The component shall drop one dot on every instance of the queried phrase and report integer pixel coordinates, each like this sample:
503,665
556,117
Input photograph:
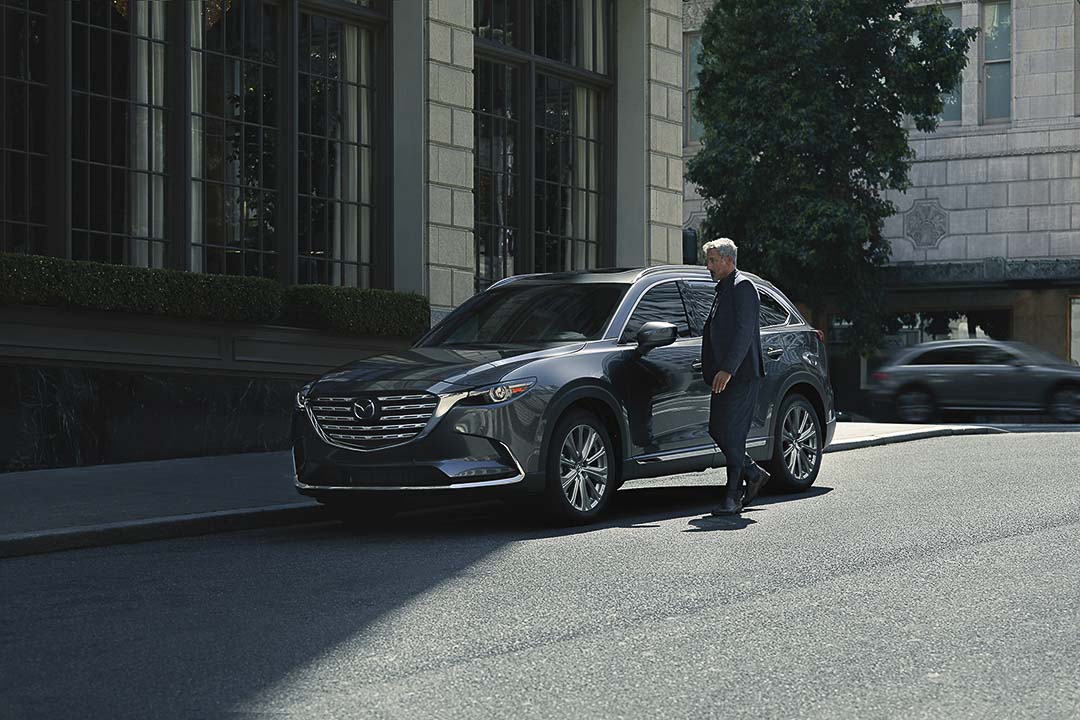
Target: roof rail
512,278
667,268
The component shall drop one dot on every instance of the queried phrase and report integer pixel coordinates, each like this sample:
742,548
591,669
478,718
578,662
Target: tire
915,405
1064,404
579,488
797,446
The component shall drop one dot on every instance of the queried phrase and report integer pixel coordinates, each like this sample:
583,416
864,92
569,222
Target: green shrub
354,311
38,280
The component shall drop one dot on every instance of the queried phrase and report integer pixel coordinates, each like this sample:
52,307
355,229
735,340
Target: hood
432,368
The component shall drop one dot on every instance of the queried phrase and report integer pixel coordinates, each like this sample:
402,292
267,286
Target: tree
804,105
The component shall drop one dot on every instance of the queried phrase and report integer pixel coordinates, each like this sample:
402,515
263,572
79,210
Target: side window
699,299
946,356
990,355
772,311
662,303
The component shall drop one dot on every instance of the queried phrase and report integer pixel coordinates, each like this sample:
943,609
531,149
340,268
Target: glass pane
693,62
1074,327
998,91
662,303
997,28
953,100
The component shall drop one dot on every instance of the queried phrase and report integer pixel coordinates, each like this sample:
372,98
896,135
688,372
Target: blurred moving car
976,376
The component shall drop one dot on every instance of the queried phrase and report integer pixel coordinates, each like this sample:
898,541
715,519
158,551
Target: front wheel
581,469
798,445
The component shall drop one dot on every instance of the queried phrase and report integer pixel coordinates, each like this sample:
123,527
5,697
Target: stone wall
665,136
1008,189
450,146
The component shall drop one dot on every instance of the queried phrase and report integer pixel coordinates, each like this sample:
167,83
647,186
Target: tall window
498,127
336,153
997,61
953,100
234,138
566,191
693,67
540,176
23,144
118,126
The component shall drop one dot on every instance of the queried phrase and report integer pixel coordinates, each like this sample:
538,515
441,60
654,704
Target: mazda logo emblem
364,409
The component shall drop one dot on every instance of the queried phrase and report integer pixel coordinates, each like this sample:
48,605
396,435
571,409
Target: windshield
531,314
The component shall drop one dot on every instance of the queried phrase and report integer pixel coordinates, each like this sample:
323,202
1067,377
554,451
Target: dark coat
732,337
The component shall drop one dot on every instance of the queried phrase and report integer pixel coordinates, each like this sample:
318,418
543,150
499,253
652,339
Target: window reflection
234,137
23,150
336,153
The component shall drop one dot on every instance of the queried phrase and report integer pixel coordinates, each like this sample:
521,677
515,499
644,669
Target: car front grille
373,421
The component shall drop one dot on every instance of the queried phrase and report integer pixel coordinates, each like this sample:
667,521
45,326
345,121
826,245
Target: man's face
719,267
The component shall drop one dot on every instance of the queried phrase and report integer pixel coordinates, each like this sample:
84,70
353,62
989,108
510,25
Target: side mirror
655,334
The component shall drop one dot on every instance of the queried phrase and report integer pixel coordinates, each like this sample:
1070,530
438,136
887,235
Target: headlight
302,395
500,393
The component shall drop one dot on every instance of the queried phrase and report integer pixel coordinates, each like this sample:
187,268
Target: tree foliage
804,106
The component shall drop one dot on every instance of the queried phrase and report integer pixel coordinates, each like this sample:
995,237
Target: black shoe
756,478
729,506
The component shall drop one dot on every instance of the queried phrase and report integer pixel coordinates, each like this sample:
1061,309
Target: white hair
724,247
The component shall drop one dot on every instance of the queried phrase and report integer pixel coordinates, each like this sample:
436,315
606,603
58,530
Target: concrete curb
174,526
875,440
159,528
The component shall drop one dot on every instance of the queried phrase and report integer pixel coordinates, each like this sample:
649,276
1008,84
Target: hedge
352,311
39,280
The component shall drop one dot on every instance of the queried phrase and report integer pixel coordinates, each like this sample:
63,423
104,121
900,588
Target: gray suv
562,386
976,376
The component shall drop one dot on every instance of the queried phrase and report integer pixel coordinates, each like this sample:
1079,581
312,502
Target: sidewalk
44,510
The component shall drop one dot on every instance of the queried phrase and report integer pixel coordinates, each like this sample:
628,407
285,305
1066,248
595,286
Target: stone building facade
987,241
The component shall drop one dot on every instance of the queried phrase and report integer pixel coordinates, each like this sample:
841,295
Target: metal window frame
178,145
688,88
984,63
529,66
960,88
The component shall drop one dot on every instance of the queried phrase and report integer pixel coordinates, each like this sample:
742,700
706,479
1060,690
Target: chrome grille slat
335,419
372,437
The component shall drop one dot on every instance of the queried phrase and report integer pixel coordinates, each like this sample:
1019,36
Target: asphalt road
933,579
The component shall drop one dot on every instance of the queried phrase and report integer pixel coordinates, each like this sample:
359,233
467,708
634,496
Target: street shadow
236,616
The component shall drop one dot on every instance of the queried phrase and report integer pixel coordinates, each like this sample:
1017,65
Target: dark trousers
730,415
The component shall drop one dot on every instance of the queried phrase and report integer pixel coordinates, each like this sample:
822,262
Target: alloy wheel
583,468
800,444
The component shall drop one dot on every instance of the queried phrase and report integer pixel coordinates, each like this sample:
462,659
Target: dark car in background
976,376
562,386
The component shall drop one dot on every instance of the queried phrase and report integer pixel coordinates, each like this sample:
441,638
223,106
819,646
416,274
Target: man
731,363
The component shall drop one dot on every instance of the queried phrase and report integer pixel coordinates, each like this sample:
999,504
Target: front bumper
469,448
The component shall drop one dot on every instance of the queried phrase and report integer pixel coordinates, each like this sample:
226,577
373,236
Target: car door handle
696,365
774,352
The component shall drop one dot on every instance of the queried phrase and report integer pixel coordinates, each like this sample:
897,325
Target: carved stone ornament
926,223
694,12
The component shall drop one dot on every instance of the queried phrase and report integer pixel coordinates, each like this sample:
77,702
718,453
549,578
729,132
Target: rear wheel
798,445
914,405
1064,404
581,469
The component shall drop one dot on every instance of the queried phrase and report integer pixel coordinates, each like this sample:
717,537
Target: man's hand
720,381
